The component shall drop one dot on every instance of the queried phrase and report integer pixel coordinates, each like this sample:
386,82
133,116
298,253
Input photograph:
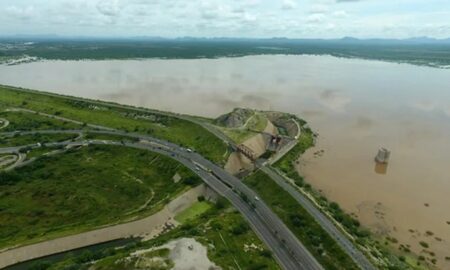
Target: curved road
4,123
324,221
288,251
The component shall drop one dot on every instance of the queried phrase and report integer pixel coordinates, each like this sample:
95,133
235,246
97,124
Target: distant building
383,155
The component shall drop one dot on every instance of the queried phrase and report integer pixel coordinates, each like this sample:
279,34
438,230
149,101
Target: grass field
19,140
255,124
37,152
230,242
108,137
192,212
29,121
85,188
179,131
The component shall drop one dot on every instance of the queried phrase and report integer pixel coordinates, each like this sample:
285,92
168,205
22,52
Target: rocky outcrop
234,119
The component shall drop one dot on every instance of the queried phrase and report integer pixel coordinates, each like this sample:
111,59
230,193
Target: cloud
22,13
109,8
235,18
319,9
316,18
288,4
340,14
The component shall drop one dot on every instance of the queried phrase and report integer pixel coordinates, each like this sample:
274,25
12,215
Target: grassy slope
94,136
82,189
216,229
257,122
178,131
192,212
29,121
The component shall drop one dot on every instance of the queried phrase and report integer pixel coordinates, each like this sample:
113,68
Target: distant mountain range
418,51
51,37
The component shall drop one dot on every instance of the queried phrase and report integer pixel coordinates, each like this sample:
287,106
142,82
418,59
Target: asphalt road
288,251
349,247
325,222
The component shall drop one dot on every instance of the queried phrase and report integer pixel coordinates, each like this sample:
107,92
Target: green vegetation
107,137
237,135
228,247
305,141
19,140
24,121
126,118
40,151
308,231
6,160
256,123
433,54
192,212
85,188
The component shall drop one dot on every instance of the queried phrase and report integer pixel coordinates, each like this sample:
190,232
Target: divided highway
288,251
359,258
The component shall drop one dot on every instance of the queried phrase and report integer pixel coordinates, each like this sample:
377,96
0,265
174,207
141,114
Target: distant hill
418,51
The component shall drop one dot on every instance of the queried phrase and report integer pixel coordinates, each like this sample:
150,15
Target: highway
288,251
325,222
358,257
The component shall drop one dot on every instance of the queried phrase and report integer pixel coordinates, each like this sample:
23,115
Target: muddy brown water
356,106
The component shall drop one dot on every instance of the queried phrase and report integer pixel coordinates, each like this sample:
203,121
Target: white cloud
22,13
235,18
288,4
340,14
315,18
109,7
319,9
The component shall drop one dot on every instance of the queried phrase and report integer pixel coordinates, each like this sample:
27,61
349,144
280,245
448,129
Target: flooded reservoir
356,107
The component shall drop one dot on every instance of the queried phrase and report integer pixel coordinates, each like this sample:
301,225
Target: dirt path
186,253
6,160
3,123
17,162
147,227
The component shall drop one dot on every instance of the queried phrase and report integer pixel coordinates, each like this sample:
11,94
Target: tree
221,202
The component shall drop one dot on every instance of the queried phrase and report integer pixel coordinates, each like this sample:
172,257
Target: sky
227,18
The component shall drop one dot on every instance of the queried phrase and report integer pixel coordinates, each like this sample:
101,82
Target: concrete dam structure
383,156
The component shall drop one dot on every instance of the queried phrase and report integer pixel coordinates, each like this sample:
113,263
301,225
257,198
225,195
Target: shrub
9,178
266,253
240,228
40,265
221,202
190,181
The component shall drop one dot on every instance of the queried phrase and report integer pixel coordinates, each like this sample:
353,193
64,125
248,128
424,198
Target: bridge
246,151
